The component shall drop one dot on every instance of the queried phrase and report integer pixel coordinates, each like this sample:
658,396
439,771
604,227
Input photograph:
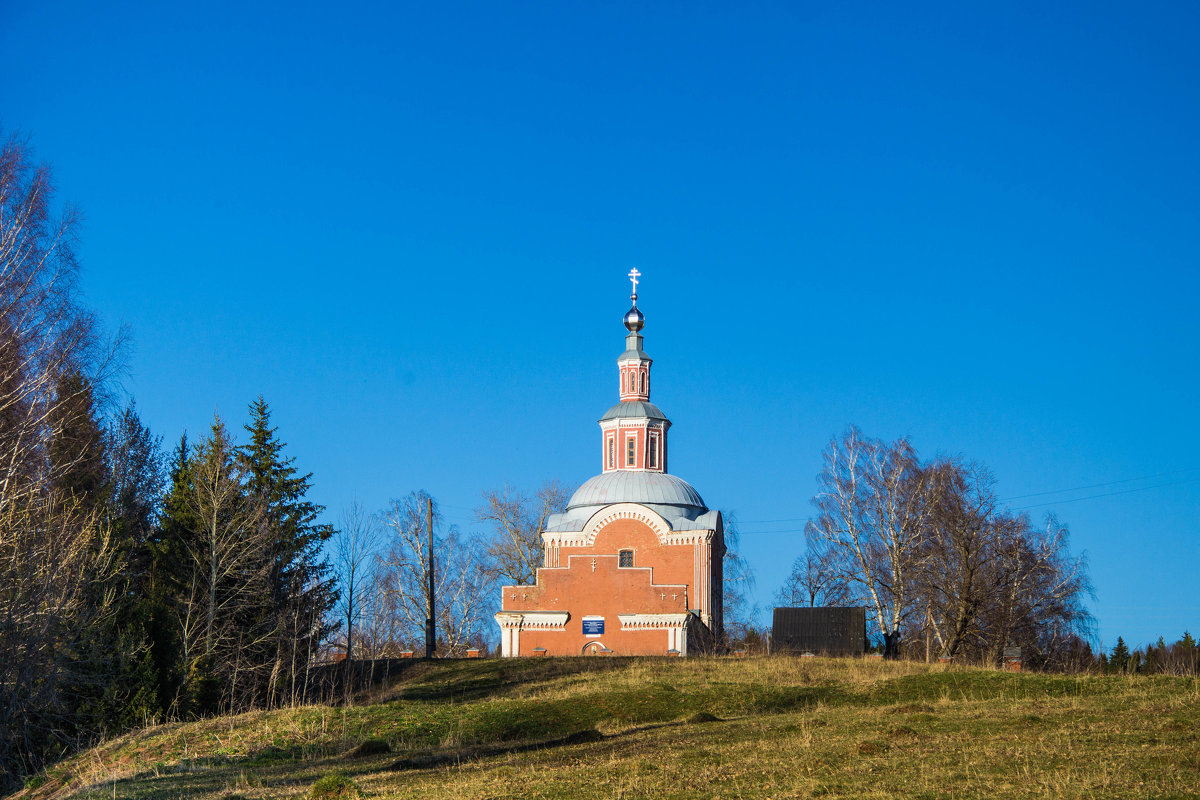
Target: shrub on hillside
334,785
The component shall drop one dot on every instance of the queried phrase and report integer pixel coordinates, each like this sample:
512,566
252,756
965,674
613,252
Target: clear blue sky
408,225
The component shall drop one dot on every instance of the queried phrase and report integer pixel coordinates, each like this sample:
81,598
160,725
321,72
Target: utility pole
430,632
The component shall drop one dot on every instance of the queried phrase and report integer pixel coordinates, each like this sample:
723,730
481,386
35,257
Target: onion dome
634,319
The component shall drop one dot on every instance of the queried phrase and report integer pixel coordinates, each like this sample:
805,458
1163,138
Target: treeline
1181,657
383,566
942,566
382,563
133,587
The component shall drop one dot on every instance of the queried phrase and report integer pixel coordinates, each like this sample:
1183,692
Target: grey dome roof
647,488
633,408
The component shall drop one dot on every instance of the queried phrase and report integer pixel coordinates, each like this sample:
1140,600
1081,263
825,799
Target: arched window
625,558
630,452
612,448
652,453
643,389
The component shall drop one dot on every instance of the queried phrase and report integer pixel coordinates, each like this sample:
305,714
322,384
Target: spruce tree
77,459
136,484
168,581
301,588
227,558
1119,661
135,493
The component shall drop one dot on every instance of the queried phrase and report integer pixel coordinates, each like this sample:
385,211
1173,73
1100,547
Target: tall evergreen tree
214,558
77,453
168,571
301,586
1119,661
135,483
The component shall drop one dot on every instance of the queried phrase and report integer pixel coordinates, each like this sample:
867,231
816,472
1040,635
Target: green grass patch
332,786
626,727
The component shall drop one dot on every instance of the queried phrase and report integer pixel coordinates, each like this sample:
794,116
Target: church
633,566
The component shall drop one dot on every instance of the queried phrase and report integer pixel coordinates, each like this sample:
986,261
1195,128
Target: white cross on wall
633,277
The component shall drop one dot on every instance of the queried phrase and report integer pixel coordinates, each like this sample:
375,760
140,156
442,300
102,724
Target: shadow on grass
589,736
658,707
457,756
982,685
478,680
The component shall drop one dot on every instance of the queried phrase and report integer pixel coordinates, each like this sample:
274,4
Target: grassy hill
602,728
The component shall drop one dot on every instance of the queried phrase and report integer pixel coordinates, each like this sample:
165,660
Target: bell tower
634,432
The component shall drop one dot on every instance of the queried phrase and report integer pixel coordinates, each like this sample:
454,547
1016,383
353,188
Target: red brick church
633,566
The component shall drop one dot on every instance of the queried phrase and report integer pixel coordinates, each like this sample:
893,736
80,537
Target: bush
371,747
334,785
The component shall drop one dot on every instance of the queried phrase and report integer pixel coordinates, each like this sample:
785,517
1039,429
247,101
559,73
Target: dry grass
762,728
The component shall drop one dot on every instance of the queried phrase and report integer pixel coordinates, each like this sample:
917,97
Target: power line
1099,485
1108,494
1018,497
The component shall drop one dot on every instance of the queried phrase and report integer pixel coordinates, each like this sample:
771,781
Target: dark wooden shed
831,631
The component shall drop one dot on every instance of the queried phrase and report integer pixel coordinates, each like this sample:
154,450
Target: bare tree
381,631
459,577
45,336
515,549
464,602
738,609
355,554
963,536
814,580
1039,605
55,558
985,579
870,508
55,565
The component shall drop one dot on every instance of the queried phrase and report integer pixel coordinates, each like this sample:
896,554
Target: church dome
633,409
645,488
634,319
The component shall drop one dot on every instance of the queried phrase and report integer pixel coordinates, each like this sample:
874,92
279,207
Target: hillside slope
600,728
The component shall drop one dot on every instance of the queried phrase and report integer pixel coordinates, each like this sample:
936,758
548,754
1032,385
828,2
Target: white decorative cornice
652,621
533,620
586,537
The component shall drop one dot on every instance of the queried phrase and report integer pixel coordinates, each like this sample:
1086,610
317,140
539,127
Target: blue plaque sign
593,626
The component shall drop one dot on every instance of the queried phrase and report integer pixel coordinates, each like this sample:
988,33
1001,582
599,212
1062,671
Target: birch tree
459,572
869,515
45,335
355,550
55,554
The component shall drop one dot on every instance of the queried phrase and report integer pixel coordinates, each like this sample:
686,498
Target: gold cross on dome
633,278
